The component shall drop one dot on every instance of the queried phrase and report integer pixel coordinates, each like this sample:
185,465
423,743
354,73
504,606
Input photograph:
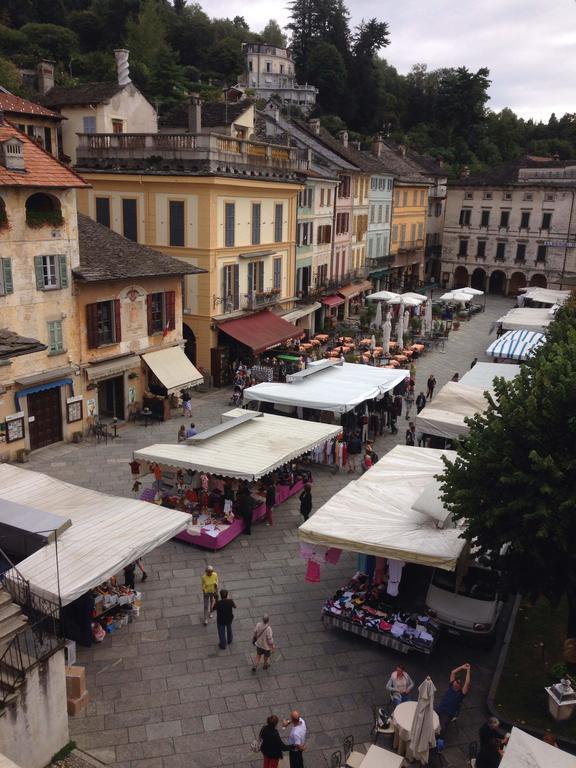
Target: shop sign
15,427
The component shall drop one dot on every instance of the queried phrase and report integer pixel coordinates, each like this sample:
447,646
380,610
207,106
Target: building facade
409,214
270,72
512,227
38,122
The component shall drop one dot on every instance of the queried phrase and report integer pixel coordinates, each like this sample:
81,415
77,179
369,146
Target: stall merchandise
445,415
367,610
114,607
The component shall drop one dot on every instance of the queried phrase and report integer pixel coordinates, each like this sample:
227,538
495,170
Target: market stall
482,375
526,751
169,372
246,447
543,295
445,415
515,345
391,513
529,318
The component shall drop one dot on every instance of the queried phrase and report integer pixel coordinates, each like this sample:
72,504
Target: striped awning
515,345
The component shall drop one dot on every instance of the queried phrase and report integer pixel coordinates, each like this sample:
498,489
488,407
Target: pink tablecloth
230,532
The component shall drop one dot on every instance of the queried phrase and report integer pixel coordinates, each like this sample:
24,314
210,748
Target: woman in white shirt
400,684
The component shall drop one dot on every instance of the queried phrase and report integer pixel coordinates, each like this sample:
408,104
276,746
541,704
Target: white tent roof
472,291
382,296
445,415
483,374
525,751
249,451
546,295
374,514
530,318
458,296
515,345
173,369
107,532
339,388
419,297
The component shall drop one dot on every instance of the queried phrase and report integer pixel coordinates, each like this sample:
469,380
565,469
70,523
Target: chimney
12,154
343,136
194,113
122,66
377,145
440,161
465,172
402,150
45,75
314,124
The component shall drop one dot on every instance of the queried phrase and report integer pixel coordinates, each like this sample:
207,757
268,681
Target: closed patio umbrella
428,316
422,736
406,323
400,327
386,333
377,322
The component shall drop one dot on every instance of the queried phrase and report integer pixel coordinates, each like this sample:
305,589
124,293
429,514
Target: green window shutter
55,336
39,269
63,271
7,276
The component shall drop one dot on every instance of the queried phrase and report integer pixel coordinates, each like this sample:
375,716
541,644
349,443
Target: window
525,220
438,211
176,223
469,196
521,252
322,192
277,284
420,230
397,199
161,312
278,223
324,234
541,254
387,214
422,198
305,198
229,224
403,234
342,223
255,276
6,281
504,219
328,197
322,274
390,184
500,251
103,211
528,196
103,323
481,249
485,218
413,232
256,217
395,233
372,209
463,247
305,234
268,66
507,196
231,286
404,199
48,140
415,197
549,197
373,183
89,124
51,272
344,187
380,214
465,216
281,69
129,219
250,65
55,337
487,195
117,126
370,246
546,220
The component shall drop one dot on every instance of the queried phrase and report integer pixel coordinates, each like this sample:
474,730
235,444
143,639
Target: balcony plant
4,222
39,219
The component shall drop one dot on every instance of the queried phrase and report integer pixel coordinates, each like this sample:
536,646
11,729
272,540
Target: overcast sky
528,45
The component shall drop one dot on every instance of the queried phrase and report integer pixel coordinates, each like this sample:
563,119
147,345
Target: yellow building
409,212
223,204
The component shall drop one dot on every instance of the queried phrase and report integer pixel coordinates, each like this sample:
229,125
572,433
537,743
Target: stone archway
497,282
189,343
538,281
478,280
460,277
517,281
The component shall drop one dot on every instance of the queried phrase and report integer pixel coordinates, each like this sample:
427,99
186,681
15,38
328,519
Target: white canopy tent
545,295
248,450
530,318
516,345
375,514
525,751
107,532
339,388
444,416
483,374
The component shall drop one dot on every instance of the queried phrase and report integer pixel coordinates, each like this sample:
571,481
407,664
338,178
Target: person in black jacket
244,508
270,501
306,501
272,745
224,618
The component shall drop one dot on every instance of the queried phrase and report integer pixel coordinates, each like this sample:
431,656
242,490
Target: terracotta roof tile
10,103
41,168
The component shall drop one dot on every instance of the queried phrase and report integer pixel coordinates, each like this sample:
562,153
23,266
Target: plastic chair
352,759
377,729
336,759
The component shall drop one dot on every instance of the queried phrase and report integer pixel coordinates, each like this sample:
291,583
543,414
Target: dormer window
13,154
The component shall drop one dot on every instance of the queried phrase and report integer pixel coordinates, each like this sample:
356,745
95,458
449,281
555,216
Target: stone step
4,597
11,626
8,610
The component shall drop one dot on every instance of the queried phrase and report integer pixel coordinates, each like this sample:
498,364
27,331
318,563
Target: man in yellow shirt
209,591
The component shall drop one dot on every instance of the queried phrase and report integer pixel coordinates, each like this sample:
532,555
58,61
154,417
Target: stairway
13,660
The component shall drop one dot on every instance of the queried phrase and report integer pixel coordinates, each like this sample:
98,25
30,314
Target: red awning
350,291
261,331
333,301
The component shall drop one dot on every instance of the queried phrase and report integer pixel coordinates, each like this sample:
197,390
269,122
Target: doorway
45,412
111,397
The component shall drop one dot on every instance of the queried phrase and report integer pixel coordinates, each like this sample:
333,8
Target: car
472,608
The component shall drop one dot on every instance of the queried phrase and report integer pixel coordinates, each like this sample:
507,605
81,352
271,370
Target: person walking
449,707
455,378
209,583
224,618
296,739
263,639
306,501
354,445
129,575
270,500
409,400
473,363
186,403
431,386
420,402
411,434
271,744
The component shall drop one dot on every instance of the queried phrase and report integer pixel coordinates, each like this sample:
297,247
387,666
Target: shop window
176,223
278,223
256,219
229,224
103,323
130,219
103,211
161,313
6,281
51,272
231,286
43,211
55,337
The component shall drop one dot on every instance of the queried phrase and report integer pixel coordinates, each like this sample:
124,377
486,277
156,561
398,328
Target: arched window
43,210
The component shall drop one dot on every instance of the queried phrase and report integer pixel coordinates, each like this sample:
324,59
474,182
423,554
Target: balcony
186,151
379,262
462,255
410,245
261,299
500,259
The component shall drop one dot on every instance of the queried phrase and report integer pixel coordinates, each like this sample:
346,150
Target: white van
471,611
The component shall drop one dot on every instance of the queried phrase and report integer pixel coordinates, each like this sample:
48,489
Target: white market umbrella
408,301
377,322
422,736
386,333
382,296
419,297
458,296
471,291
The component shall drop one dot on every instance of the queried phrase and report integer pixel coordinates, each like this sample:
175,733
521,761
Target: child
182,434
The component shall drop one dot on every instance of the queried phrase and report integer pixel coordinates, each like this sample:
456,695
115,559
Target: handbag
256,745
256,636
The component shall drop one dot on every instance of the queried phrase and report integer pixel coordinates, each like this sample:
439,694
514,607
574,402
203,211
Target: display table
402,719
376,757
216,537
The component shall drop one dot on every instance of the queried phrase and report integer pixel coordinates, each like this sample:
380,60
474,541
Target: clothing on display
394,576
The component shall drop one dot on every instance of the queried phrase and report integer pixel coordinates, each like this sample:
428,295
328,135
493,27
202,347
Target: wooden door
46,408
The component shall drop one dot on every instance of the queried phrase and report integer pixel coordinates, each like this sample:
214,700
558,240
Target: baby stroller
237,396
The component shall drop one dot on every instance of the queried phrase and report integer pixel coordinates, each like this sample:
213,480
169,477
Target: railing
410,245
262,299
380,261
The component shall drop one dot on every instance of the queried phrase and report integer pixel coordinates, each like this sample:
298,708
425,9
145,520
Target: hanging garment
332,555
312,572
394,576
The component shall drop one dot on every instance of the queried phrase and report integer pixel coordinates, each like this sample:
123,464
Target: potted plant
39,219
77,436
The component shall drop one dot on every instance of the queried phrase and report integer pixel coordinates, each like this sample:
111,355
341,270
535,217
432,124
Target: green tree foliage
50,41
328,73
9,76
513,479
273,35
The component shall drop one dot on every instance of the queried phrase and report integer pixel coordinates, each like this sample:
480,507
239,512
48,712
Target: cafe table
376,757
402,718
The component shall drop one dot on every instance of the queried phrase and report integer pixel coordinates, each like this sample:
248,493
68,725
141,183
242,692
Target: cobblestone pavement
164,696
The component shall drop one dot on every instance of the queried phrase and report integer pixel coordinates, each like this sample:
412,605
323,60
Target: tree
513,479
328,73
273,35
50,41
10,76
147,35
226,58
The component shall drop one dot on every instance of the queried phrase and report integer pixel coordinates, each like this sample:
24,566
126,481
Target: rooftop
78,95
13,345
11,104
41,168
106,255
215,114
529,169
